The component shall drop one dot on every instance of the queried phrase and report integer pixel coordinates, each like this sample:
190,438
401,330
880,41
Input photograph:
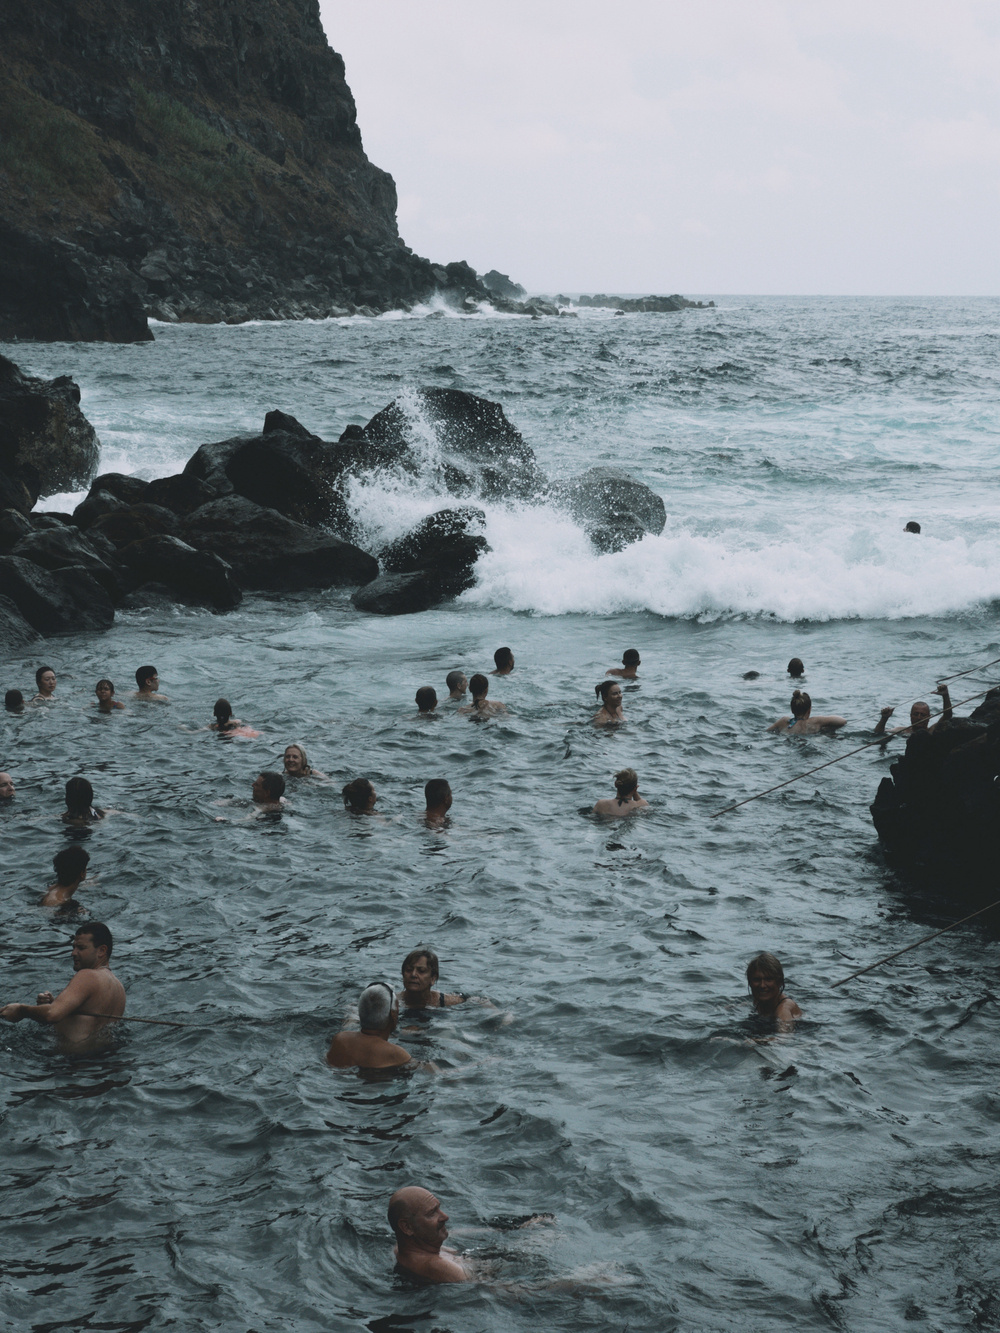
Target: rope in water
871,966
131,1018
867,746
970,671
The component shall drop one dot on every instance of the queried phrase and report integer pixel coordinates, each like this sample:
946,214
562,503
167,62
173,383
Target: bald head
405,1203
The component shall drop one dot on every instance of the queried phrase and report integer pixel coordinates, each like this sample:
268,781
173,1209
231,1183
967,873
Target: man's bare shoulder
353,1050
443,1267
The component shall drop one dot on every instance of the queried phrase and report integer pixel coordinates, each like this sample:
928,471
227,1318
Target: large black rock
612,507
61,601
269,551
197,578
404,594
449,541
62,547
15,632
46,442
132,523
466,440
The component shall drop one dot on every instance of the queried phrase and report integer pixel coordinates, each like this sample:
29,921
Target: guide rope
131,1018
867,746
970,671
871,966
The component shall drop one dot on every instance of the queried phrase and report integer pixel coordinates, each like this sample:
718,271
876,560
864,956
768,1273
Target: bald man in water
420,1227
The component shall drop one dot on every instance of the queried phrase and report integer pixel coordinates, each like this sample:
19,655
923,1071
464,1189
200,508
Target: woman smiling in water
297,764
610,713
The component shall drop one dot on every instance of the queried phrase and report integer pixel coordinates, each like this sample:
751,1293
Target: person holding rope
920,715
93,999
801,722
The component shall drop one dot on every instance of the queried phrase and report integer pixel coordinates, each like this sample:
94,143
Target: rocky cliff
190,159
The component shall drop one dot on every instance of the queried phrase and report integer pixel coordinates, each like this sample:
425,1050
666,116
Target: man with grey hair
378,1013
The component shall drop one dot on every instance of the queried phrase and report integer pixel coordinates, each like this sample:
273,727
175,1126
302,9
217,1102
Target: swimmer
92,999
920,715
504,660
378,1013
13,701
297,765
359,797
766,981
45,679
479,687
610,713
437,795
795,668
419,1224
801,722
912,526
629,669
7,788
106,700
427,699
420,973
267,791
80,808
457,684
148,682
227,725
628,800
70,866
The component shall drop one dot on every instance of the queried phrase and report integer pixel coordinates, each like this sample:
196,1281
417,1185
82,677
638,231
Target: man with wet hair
419,1224
13,701
629,669
93,999
359,797
504,659
378,1014
148,681
437,794
268,789
427,699
70,866
80,802
920,715
457,684
766,981
7,788
795,668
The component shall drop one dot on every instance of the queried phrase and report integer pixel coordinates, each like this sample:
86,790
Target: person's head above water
268,788
147,678
504,659
795,668
223,711
456,682
801,704
359,796
920,715
79,796
104,689
13,701
428,969
417,1219
437,794
296,762
768,966
98,952
45,679
912,526
6,787
427,698
479,685
376,1006
630,657
626,782
70,865
610,693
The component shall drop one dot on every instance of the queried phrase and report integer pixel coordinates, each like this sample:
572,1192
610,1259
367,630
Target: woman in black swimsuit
420,973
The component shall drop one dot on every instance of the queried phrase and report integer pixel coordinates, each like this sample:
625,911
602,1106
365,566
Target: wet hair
358,794
104,681
79,796
274,784
452,679
436,792
69,865
426,698
13,701
801,703
795,667
40,673
429,954
605,687
503,657
302,751
375,1004
626,781
630,657
479,685
767,964
143,674
912,526
100,933
223,711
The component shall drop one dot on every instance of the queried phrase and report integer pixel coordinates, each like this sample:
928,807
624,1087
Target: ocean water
704,1173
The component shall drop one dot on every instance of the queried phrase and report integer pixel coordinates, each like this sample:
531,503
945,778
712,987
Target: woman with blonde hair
627,801
296,763
801,722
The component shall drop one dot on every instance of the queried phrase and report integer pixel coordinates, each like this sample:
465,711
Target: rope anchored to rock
871,966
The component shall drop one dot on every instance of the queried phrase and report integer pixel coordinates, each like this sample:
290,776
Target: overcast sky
698,146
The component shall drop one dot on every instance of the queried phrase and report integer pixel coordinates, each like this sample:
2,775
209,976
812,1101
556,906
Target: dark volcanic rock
13,526
499,284
15,495
404,594
62,601
269,551
198,578
45,440
63,547
472,444
613,508
133,523
95,506
130,490
182,494
449,542
15,632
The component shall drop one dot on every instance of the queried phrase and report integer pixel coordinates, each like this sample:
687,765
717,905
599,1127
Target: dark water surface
220,1176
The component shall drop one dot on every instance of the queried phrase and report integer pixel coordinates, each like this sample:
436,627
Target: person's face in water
85,953
47,682
417,976
259,792
295,764
104,693
614,698
920,715
429,1223
764,989
6,787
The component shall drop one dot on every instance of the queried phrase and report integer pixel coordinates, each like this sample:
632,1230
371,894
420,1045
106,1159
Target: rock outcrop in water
612,507
939,812
47,445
